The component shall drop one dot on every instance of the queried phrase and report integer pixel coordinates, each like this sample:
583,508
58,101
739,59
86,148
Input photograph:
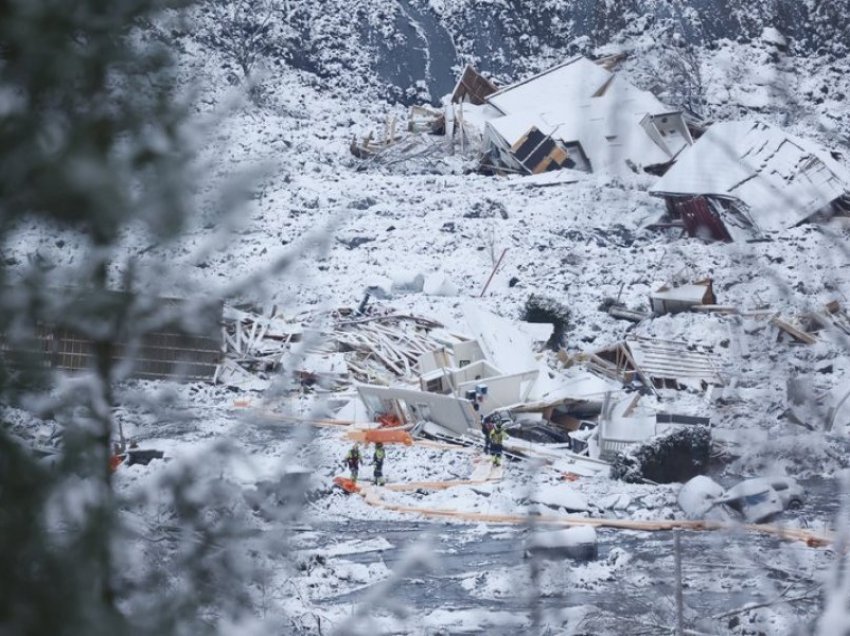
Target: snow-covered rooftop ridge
783,179
577,78
614,113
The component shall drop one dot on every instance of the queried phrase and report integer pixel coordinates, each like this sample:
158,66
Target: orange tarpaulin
346,484
385,435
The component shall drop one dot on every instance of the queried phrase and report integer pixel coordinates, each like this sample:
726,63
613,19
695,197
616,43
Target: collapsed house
580,115
742,179
573,420
495,368
497,372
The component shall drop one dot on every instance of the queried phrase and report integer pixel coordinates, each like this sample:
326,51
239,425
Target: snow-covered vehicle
756,500
763,497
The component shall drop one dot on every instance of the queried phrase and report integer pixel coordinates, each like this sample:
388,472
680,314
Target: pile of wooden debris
331,349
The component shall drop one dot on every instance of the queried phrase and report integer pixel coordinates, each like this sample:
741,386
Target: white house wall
467,352
503,391
437,359
450,412
475,372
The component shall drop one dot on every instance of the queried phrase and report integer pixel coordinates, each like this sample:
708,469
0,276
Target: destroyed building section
657,364
741,179
496,370
449,408
407,408
579,108
472,87
499,356
624,423
332,349
538,153
809,327
427,120
577,115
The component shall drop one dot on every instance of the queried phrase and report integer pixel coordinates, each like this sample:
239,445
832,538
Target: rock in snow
560,496
697,496
576,543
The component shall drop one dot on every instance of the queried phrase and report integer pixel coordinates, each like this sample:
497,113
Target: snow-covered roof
508,348
575,79
579,385
618,114
608,126
781,178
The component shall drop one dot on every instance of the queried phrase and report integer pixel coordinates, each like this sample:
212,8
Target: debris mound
546,310
674,458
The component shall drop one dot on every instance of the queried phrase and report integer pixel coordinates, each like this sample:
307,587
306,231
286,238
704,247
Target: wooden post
680,617
462,129
493,273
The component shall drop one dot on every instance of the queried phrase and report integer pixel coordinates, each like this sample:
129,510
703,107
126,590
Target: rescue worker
353,461
378,463
116,458
497,438
487,430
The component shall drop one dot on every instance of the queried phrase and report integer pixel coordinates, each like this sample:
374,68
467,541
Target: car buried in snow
755,500
762,498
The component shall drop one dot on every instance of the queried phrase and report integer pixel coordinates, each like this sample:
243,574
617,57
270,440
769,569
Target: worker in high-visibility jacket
352,459
378,463
497,438
487,431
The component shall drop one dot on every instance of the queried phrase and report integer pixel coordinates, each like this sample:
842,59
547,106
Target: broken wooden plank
794,332
626,314
716,309
810,538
